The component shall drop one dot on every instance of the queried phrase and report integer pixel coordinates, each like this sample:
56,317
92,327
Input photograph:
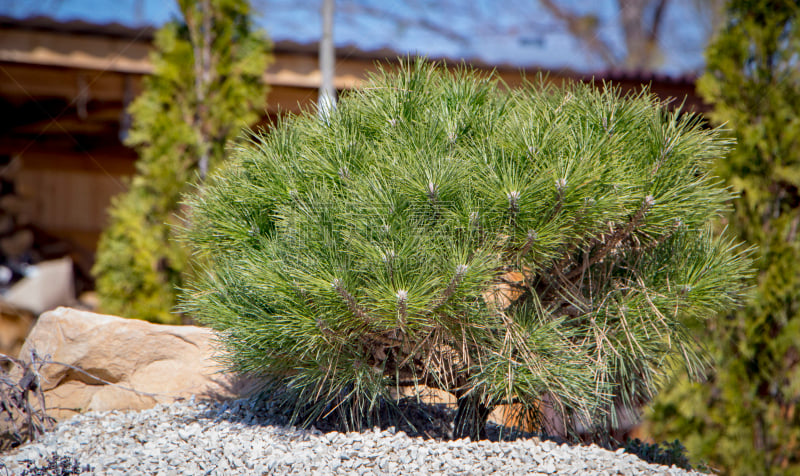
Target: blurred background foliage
744,419
206,86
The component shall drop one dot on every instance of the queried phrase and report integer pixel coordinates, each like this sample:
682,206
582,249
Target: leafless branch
584,28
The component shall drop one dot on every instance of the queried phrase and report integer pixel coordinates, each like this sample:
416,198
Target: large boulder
100,362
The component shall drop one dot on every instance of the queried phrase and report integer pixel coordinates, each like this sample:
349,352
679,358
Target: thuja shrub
542,247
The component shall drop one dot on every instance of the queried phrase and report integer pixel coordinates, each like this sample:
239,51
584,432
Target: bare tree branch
585,29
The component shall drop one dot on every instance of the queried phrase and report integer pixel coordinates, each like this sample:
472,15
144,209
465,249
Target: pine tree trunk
470,419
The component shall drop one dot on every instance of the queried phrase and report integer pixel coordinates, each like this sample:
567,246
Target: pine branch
448,292
611,242
350,301
529,240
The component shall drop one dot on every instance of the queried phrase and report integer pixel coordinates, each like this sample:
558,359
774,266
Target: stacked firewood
16,237
23,244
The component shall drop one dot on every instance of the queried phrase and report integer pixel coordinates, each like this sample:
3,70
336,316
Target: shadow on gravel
427,421
415,418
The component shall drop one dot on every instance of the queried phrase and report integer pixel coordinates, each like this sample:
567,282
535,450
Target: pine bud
648,203
561,184
473,218
402,305
513,201
344,173
432,191
461,270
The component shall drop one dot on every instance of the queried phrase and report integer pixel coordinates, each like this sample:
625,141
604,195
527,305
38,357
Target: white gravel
197,438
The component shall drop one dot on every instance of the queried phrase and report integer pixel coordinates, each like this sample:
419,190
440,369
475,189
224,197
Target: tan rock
506,415
425,394
508,290
146,363
513,416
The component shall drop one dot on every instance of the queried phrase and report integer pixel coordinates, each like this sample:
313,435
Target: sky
511,32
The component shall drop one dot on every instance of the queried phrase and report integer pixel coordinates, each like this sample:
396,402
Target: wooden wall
70,203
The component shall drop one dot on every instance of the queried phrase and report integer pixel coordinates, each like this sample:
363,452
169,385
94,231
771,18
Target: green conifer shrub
542,247
207,84
745,418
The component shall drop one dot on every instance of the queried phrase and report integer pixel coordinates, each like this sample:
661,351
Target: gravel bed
238,437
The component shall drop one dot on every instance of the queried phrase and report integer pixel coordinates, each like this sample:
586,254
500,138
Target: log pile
24,250
22,244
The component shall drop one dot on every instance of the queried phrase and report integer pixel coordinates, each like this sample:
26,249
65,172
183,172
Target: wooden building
64,88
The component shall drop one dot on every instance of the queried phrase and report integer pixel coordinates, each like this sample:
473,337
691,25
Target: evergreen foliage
541,247
666,453
206,86
745,419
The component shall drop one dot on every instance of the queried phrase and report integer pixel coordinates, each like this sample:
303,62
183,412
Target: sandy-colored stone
428,395
506,291
159,363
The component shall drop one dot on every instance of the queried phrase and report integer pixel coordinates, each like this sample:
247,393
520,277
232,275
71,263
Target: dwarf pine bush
541,247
